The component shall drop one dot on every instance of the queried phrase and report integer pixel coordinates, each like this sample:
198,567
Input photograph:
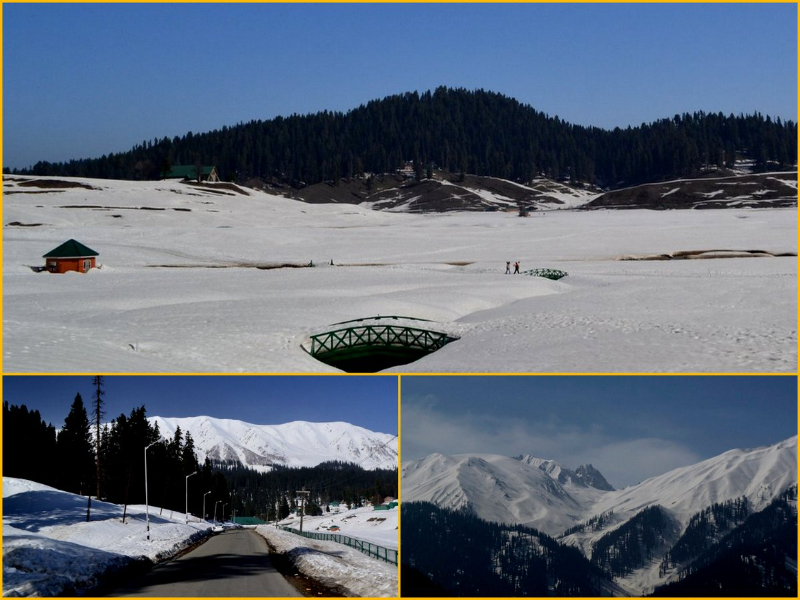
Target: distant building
190,173
70,256
386,505
407,170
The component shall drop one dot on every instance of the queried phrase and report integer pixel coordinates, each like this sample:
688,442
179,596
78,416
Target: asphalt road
233,564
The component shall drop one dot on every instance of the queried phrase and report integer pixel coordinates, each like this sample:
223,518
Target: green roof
70,249
189,171
248,521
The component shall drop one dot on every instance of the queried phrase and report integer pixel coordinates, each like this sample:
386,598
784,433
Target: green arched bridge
376,343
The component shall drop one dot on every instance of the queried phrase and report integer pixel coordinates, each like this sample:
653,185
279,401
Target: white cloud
429,426
628,462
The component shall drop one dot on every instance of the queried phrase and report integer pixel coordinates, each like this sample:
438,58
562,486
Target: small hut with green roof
193,173
70,256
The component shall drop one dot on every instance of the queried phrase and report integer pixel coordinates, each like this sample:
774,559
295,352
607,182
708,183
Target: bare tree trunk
127,488
98,415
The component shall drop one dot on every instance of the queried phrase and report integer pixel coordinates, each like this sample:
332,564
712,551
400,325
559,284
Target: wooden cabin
70,256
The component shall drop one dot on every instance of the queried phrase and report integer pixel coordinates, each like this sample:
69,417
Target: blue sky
369,402
81,80
630,428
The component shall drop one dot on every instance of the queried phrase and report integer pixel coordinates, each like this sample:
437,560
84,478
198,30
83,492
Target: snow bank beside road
49,548
334,564
378,527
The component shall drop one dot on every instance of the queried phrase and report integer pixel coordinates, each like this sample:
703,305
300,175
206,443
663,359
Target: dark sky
630,428
369,401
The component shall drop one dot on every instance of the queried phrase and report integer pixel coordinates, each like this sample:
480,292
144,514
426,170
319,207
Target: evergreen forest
457,131
266,494
467,556
757,558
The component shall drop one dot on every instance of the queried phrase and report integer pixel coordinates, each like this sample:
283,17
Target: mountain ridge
458,131
293,444
543,494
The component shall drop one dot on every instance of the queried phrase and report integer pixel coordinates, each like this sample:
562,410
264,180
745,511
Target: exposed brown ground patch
9,192
707,254
50,184
216,187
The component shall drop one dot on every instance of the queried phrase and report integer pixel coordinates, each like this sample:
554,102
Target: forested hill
461,131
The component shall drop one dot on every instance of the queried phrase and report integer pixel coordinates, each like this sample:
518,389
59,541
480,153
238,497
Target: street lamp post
146,499
204,504
187,496
215,508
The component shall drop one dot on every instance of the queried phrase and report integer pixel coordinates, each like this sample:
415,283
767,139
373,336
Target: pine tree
74,451
26,429
98,415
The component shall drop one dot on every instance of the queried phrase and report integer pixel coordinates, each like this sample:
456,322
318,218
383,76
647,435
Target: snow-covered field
50,549
137,315
368,524
334,564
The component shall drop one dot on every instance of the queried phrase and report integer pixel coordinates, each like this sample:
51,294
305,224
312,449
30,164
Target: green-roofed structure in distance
70,256
193,173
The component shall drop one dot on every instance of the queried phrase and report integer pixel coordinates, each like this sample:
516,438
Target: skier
516,268
508,267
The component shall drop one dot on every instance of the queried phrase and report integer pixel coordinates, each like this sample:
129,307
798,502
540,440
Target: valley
550,499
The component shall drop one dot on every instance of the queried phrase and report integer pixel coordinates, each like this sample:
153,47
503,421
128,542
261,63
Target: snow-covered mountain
759,474
552,498
584,475
501,489
294,444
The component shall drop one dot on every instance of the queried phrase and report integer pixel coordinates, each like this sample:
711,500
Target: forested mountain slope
459,131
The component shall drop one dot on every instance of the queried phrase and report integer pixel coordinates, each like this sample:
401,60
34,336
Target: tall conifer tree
98,415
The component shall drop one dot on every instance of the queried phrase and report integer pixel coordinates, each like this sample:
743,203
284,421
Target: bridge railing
378,335
374,550
382,317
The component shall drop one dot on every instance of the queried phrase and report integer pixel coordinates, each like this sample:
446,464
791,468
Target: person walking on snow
508,267
516,268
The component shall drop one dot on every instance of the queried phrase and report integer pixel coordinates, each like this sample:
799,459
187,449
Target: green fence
373,550
553,274
377,336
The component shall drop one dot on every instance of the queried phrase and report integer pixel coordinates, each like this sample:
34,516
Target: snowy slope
185,284
295,444
334,564
50,549
760,474
545,495
583,476
498,488
366,523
